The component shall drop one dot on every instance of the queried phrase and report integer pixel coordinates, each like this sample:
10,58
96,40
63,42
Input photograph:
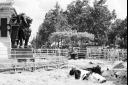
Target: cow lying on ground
86,75
96,69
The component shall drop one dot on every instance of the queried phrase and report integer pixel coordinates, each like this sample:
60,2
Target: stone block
21,53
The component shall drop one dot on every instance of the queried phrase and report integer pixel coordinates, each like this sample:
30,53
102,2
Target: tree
55,20
118,33
82,17
113,31
70,38
95,20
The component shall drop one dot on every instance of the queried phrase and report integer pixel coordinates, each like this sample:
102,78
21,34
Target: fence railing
45,59
89,53
55,58
40,53
109,54
31,66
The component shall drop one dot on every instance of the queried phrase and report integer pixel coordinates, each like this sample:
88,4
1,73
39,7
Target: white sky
36,9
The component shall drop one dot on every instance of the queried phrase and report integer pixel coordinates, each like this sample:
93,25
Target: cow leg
77,74
87,76
26,42
13,43
21,42
17,42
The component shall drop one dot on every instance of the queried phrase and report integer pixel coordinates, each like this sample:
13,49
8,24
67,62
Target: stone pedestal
6,11
5,46
22,54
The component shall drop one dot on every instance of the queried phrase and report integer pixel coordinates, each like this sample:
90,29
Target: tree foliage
118,33
72,37
96,20
55,20
83,17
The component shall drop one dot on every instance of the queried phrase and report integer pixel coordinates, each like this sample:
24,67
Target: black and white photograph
63,42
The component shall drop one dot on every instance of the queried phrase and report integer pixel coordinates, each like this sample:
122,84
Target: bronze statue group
20,31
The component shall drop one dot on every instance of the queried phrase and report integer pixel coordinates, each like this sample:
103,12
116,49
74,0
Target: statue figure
20,30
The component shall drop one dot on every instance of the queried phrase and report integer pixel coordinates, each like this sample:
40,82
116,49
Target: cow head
75,72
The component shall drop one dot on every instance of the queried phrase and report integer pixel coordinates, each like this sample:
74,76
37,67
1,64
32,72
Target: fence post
47,52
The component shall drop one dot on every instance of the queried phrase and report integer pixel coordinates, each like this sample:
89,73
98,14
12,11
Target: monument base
5,46
22,54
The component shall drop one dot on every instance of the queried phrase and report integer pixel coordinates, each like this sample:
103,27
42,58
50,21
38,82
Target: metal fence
108,54
55,58
46,59
42,53
89,53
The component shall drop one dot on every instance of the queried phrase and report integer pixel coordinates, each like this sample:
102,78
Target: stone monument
9,33
20,30
6,10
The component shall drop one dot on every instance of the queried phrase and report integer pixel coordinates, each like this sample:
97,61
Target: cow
81,74
96,69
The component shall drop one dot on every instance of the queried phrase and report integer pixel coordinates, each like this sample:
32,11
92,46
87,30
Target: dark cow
86,75
96,69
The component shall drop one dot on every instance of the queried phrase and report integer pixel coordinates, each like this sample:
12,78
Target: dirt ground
58,76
